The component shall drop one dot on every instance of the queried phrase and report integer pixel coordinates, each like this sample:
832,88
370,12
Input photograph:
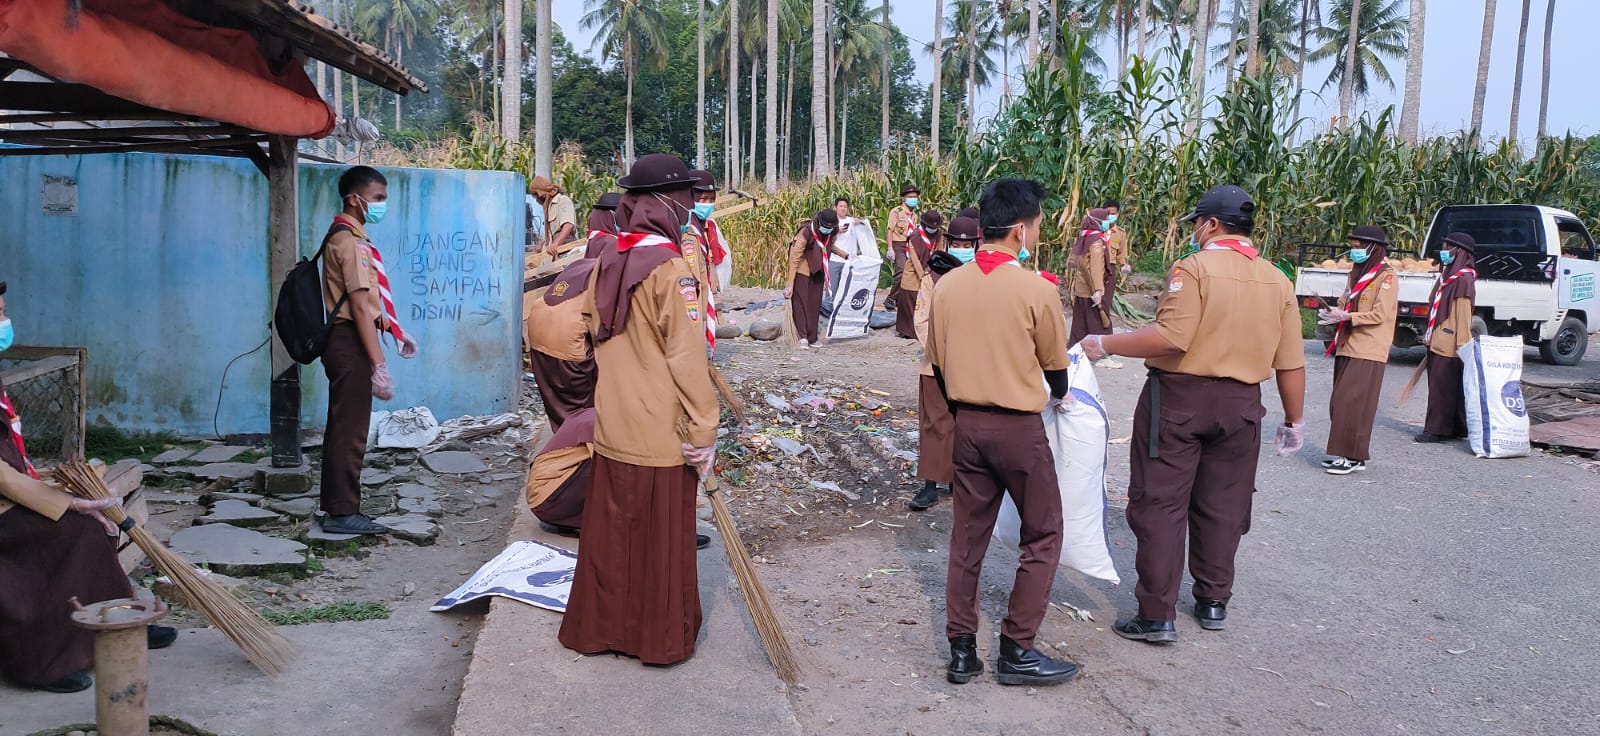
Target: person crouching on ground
808,269
996,339
1365,319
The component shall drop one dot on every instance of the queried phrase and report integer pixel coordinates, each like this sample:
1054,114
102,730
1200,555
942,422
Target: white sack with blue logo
853,298
1079,439
1497,417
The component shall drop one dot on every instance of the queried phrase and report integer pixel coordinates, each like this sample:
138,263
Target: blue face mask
931,230
1023,256
825,230
7,335
965,255
1194,247
1445,257
376,211
911,202
1359,255
1111,220
703,210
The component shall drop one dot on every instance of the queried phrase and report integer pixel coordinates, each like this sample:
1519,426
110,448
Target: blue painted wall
162,274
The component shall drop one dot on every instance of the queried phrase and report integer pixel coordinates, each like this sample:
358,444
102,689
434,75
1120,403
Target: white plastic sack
407,429
1497,418
1079,439
852,299
725,271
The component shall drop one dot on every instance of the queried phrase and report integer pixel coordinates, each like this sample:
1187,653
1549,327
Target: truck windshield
1510,240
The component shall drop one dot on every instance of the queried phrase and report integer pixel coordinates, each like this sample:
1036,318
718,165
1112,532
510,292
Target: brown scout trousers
905,314
936,433
565,386
1447,403
806,300
344,439
1207,441
996,450
1353,407
901,251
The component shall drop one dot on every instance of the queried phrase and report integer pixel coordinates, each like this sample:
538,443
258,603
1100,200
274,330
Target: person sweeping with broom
53,547
635,590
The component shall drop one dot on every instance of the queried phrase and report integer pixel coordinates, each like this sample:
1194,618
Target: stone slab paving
231,550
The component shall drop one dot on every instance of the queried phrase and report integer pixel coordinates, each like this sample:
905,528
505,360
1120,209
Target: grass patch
112,444
336,613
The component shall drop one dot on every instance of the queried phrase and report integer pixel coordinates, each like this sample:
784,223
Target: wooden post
283,239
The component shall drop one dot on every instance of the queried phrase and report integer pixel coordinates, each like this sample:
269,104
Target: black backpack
300,318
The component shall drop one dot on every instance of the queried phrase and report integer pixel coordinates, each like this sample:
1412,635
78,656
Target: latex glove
382,383
1095,298
1291,437
1061,405
1092,349
788,292
1126,269
699,458
1333,316
408,348
92,508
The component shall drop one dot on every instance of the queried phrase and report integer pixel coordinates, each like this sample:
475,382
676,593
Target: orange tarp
145,52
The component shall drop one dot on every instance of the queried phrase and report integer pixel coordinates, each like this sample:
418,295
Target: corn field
1136,142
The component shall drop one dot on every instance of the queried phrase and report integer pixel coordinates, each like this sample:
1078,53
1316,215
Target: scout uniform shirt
920,322
347,267
1453,332
1117,240
1089,270
18,489
804,257
1370,330
552,322
993,335
1233,314
561,212
916,267
901,220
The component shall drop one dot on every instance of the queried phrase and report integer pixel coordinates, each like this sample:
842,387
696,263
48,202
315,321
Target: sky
1450,62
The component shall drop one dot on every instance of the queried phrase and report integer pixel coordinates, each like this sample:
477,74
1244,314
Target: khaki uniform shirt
798,266
347,268
654,374
1454,331
20,489
1234,317
919,322
1117,242
994,335
901,220
697,257
915,272
1372,319
1089,271
560,212
557,331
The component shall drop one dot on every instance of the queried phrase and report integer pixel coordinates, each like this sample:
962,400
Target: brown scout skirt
1086,320
1353,407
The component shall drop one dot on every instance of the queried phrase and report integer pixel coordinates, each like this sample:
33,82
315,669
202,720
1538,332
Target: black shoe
1139,629
352,524
1210,614
559,529
1018,666
1429,439
75,682
964,662
701,541
160,637
925,498
1345,466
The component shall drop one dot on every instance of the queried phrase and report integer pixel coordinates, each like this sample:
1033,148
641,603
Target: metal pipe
121,661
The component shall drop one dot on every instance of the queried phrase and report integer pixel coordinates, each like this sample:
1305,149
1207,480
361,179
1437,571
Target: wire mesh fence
46,386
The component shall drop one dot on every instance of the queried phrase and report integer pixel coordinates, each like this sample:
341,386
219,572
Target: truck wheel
1569,344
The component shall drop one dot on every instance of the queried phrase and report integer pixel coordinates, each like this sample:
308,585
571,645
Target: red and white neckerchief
989,260
1350,297
16,432
1086,232
1438,294
593,234
629,241
1237,246
394,327
713,239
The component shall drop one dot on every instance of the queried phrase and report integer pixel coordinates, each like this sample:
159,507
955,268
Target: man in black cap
898,231
1226,322
1449,328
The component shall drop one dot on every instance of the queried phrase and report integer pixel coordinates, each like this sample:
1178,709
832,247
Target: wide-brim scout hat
971,212
704,181
1227,203
608,201
827,218
656,171
963,228
1370,234
1463,241
909,189
933,220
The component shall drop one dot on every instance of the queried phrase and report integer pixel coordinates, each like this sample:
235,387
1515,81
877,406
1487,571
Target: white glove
1127,269
382,382
408,348
1291,437
1092,348
1061,405
700,458
1332,316
92,508
1095,298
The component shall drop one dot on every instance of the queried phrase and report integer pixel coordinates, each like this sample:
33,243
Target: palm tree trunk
833,83
1252,63
733,93
700,85
883,84
788,118
399,58
972,65
1347,86
1300,62
1122,39
1197,51
512,122
1144,24
755,121
544,135
844,122
1544,82
629,71
1055,34
1233,46
819,92
1033,32
772,96
1482,88
1516,80
1411,107
938,75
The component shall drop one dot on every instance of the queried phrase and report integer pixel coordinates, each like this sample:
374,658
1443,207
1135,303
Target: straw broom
730,398
259,640
768,627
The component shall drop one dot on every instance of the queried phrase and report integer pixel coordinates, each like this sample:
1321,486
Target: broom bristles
730,398
254,635
768,626
1411,385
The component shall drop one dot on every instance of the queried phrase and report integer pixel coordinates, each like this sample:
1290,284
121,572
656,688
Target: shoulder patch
560,288
686,281
1175,284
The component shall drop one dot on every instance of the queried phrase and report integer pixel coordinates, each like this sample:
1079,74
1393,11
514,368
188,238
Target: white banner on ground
1079,439
852,299
1497,418
534,573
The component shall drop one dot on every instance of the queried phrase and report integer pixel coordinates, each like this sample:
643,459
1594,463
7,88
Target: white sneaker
1346,466
1108,362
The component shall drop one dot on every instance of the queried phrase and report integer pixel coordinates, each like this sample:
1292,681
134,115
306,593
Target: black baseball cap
1227,203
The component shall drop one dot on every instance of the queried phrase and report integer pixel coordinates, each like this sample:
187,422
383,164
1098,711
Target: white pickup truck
1536,279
